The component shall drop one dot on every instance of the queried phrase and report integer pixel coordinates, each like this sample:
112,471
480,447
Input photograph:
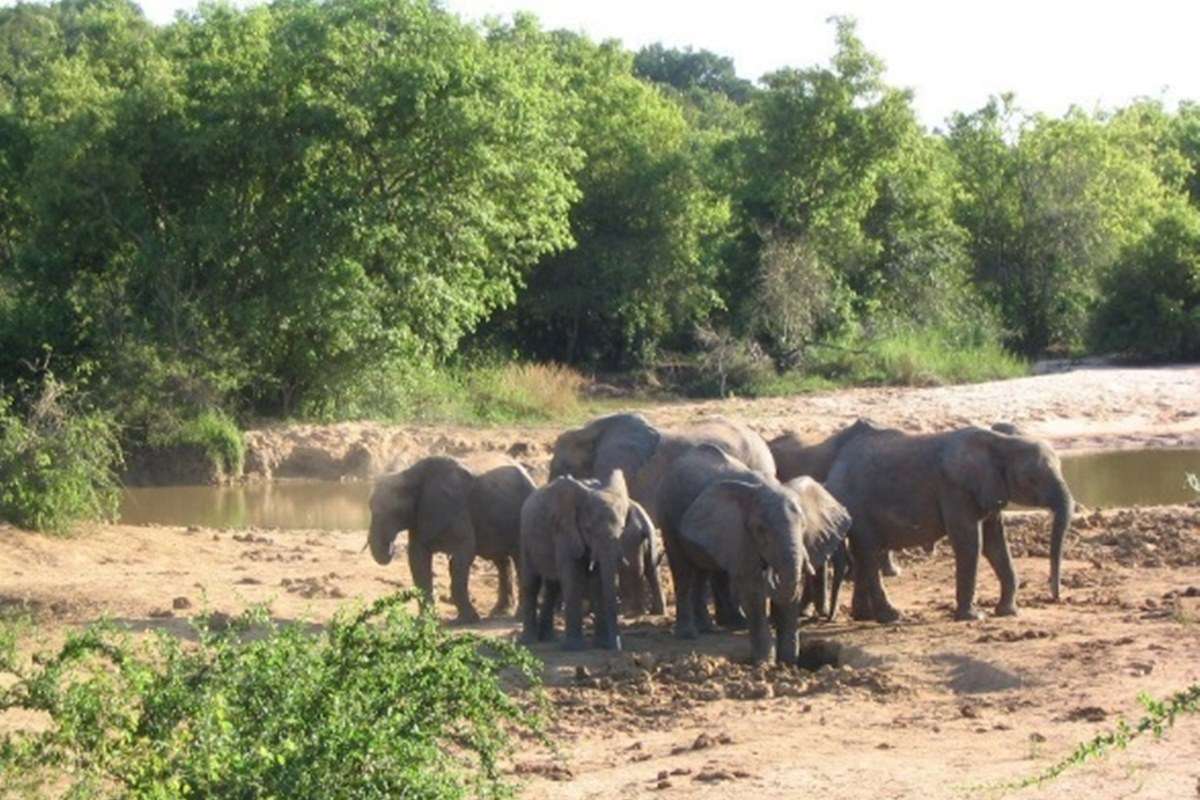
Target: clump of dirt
1158,536
314,586
653,691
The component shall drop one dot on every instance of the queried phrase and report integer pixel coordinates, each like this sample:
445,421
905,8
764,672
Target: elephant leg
460,575
840,566
552,596
574,585
420,563
701,586
995,550
596,606
785,618
888,565
653,583
728,613
760,629
820,583
531,584
870,598
964,540
683,576
504,601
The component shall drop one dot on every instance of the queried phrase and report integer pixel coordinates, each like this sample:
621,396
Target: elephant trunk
380,540
1062,506
787,566
608,632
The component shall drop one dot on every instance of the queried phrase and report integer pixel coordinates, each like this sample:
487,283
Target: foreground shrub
56,462
381,704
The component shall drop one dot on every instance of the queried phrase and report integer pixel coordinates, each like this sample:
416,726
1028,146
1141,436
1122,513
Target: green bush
380,704
57,462
216,435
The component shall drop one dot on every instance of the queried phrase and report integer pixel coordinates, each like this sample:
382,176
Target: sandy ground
928,708
1096,408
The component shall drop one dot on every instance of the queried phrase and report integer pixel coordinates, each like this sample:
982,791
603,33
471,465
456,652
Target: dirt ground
928,708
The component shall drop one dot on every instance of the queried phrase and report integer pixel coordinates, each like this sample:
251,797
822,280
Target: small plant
1160,715
383,703
57,461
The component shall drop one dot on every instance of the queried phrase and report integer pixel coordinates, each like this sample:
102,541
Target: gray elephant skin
447,508
641,552
644,453
571,543
795,457
907,490
718,516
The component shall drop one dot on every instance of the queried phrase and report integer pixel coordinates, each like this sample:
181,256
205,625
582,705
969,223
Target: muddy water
1125,478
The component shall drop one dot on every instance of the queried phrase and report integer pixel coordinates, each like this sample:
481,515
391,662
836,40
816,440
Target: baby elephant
640,589
570,528
720,517
447,508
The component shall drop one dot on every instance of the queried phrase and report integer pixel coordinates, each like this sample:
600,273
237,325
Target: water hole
1098,480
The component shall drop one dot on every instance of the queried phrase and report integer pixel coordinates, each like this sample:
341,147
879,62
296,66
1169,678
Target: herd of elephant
764,529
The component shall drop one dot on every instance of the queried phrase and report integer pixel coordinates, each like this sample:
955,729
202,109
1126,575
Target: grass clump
213,433
477,394
381,704
57,461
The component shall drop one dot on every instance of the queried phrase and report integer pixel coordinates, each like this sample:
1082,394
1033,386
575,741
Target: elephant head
998,468
425,497
639,563
617,441
790,529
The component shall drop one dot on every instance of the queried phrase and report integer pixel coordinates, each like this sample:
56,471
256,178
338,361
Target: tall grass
465,395
904,358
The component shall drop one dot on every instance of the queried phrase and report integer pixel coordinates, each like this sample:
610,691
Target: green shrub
216,435
380,704
57,462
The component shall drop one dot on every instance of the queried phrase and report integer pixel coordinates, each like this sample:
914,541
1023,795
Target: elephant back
441,512
688,476
495,502
734,438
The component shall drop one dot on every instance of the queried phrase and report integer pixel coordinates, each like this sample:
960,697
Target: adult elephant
448,508
629,442
907,490
720,517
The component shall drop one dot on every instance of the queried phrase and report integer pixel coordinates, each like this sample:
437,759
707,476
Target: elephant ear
973,464
716,521
567,493
445,486
826,521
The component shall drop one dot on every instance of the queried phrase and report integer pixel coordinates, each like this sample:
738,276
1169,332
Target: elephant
721,517
794,458
568,529
629,442
638,579
448,508
904,490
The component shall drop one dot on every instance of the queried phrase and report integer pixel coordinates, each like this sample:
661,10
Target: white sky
952,53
